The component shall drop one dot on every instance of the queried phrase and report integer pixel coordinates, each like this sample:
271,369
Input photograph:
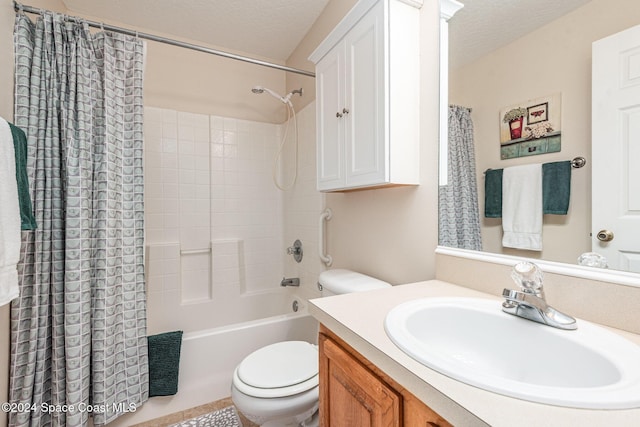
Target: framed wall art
530,128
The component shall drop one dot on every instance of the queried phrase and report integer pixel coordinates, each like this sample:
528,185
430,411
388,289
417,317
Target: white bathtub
208,358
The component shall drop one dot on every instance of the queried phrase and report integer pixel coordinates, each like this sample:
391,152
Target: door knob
605,235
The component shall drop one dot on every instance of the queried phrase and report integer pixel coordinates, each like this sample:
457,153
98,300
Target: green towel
493,193
27,220
164,361
556,187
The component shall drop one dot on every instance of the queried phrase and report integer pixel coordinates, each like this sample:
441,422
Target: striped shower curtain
458,200
78,330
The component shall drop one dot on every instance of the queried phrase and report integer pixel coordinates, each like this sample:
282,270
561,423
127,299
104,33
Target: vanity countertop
358,318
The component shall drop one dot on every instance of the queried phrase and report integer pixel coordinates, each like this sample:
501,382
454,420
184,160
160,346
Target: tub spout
293,281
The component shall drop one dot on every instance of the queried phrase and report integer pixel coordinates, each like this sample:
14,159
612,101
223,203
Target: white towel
522,207
9,217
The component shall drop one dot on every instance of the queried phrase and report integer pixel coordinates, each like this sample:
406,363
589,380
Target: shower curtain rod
30,9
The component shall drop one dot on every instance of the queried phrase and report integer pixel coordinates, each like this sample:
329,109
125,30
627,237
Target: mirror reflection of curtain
78,329
458,200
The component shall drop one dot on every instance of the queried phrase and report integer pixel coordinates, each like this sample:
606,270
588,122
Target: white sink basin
473,341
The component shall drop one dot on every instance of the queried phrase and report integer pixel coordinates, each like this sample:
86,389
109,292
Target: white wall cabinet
367,95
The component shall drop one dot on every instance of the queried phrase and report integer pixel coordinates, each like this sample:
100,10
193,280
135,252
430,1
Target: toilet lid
279,365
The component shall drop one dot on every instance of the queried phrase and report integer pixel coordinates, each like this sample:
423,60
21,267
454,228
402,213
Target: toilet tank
341,281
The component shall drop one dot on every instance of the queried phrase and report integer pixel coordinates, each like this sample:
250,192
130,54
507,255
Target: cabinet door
366,149
330,132
417,414
350,394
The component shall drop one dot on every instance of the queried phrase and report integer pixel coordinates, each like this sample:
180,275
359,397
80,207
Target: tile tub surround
457,402
208,184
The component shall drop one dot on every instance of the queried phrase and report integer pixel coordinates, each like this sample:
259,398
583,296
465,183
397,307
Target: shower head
259,89
285,99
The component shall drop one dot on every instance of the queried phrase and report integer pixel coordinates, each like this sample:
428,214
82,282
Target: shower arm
287,98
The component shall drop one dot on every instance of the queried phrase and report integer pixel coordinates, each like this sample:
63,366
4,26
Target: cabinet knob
338,115
345,111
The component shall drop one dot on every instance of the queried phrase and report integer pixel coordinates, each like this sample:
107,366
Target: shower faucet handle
296,250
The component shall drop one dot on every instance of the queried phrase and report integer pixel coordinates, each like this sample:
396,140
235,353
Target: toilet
277,385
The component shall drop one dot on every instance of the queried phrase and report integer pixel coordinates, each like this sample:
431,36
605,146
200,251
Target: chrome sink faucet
529,302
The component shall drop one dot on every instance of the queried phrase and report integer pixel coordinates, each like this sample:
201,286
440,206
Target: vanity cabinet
355,393
367,98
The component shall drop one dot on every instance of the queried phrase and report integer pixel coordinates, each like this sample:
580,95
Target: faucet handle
511,298
528,277
296,250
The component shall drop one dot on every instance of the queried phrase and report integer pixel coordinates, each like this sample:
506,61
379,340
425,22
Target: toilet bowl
277,385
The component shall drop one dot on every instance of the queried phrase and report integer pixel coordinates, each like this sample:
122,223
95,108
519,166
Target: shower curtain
78,330
458,200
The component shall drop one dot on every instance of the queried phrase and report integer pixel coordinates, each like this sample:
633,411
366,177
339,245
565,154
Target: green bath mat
164,361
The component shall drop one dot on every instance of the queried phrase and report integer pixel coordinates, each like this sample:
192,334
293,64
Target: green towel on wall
556,187
27,220
493,193
556,190
164,361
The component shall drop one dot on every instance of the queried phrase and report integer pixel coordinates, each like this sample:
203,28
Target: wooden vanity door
417,414
353,395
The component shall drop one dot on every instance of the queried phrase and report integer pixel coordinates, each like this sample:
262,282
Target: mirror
503,53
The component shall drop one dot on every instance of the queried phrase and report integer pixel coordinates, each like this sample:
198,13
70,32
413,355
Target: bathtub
208,358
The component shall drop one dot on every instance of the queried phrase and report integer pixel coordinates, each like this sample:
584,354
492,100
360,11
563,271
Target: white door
616,149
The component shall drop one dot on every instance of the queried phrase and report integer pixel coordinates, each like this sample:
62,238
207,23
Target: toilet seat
278,370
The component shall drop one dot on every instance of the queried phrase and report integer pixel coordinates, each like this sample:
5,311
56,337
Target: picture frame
538,113
531,127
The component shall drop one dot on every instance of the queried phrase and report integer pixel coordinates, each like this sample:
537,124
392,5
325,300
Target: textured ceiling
482,26
266,28
273,28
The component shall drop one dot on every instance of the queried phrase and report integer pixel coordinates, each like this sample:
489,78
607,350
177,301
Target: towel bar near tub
324,216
